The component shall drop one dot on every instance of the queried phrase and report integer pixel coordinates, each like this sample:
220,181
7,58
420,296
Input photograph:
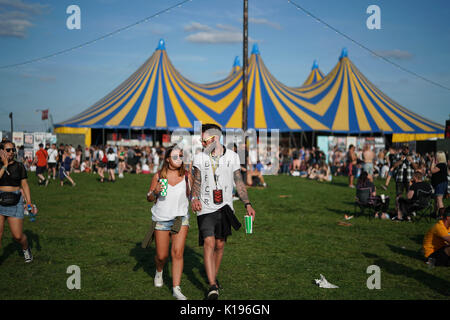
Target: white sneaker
121,175
27,255
158,279
177,293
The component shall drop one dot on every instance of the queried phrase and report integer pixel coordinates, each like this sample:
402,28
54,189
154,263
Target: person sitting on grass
405,206
324,173
313,172
436,243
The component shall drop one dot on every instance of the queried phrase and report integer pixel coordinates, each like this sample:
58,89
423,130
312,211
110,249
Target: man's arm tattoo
196,187
240,186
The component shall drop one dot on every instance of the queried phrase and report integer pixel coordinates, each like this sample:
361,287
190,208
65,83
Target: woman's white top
174,204
111,156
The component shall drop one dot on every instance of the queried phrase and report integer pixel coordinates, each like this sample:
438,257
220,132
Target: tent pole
313,142
103,137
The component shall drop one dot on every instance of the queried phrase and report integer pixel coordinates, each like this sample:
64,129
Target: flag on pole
45,114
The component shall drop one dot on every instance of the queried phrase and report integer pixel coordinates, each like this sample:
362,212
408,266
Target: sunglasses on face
176,157
10,149
206,140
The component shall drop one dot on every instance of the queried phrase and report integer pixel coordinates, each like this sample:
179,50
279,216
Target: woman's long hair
165,166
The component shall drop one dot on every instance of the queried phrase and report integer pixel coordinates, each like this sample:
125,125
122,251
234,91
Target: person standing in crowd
404,167
64,170
41,164
436,243
52,160
215,171
13,179
351,165
170,217
439,180
368,157
390,159
111,165
101,162
122,165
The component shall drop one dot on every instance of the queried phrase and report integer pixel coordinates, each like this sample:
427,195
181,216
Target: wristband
4,167
195,198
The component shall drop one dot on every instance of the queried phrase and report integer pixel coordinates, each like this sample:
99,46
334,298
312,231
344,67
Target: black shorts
211,224
111,165
442,259
41,170
51,165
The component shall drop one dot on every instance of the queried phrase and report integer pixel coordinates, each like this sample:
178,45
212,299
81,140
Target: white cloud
196,26
395,54
265,22
222,34
16,16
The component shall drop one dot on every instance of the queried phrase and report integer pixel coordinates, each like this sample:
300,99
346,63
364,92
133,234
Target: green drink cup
248,224
164,184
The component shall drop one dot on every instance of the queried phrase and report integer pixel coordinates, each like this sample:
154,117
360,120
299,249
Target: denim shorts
167,225
441,189
13,211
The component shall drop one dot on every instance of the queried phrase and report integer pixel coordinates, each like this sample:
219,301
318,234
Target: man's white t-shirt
227,165
52,154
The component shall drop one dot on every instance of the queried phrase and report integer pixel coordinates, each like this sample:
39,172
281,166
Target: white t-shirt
111,157
52,154
228,164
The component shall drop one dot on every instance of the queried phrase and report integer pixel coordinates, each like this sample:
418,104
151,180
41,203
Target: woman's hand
159,187
4,157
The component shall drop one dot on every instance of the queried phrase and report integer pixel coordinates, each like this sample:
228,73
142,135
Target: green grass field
99,227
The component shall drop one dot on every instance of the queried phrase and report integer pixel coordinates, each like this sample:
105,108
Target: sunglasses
10,149
176,157
207,139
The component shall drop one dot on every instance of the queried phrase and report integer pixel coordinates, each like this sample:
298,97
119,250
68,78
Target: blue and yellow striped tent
315,75
157,96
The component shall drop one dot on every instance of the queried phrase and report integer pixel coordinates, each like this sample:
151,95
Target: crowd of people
211,194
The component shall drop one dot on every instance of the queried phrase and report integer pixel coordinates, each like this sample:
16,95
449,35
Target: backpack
105,159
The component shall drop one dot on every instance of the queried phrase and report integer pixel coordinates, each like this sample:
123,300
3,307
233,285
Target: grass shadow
405,252
417,238
33,240
9,250
439,285
192,262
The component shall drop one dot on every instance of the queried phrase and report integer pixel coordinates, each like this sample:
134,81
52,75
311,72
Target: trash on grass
323,283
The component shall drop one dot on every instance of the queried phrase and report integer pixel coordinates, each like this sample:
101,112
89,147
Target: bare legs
162,239
213,253
16,227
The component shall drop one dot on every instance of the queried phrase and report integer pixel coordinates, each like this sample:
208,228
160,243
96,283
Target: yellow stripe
118,118
341,118
101,105
182,119
160,112
113,105
379,120
141,115
363,123
260,119
390,114
310,121
236,119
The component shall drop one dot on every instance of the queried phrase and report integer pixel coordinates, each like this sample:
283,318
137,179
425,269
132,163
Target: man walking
215,169
41,164
52,159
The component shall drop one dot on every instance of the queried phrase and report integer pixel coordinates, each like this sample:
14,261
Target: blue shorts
167,225
441,189
13,211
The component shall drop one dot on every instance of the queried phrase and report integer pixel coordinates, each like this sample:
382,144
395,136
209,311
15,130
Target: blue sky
202,39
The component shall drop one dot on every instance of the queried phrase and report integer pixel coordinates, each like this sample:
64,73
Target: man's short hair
418,175
211,126
446,213
41,145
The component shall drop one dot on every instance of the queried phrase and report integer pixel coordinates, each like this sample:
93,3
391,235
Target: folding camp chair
423,206
363,201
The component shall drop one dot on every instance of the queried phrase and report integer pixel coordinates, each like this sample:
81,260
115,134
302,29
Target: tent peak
236,63
315,65
161,45
255,49
344,53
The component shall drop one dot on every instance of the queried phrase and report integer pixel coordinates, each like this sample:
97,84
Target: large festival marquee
158,97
